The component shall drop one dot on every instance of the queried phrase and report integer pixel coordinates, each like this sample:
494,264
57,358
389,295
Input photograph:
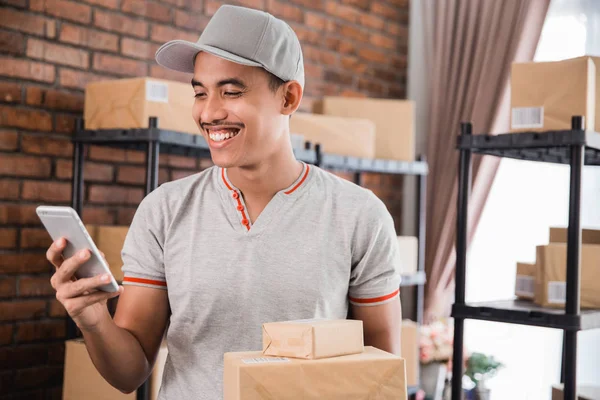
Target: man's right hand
84,303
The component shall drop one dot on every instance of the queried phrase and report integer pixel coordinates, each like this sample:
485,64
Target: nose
212,110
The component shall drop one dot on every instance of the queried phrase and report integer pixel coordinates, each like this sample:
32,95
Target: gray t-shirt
318,245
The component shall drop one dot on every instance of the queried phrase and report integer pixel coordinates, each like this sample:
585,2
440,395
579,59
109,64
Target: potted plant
481,367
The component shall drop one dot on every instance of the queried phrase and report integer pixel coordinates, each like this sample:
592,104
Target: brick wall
49,51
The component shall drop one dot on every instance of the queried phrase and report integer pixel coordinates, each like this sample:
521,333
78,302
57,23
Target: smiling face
241,118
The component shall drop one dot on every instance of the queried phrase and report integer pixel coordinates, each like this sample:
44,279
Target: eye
199,95
233,94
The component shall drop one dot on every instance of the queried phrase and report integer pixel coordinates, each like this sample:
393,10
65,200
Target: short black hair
275,82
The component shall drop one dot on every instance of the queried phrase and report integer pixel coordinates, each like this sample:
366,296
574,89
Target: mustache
204,125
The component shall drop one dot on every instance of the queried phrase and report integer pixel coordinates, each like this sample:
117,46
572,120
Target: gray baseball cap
244,36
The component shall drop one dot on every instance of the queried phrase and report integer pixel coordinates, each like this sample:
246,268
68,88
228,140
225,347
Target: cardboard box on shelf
588,236
583,392
545,95
409,254
128,103
373,374
110,239
394,121
83,381
410,351
550,285
336,135
525,281
313,339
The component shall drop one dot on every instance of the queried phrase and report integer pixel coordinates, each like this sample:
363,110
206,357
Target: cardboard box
128,103
588,236
336,135
110,240
583,392
83,381
409,254
373,374
550,285
525,281
313,339
410,351
545,95
394,121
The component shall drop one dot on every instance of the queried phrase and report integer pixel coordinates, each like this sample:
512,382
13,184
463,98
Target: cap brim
179,55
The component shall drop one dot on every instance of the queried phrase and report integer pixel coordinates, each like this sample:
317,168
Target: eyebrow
229,81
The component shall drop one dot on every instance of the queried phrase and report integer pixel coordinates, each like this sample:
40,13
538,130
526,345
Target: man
259,237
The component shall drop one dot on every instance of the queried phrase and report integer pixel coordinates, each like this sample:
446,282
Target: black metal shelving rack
575,147
155,141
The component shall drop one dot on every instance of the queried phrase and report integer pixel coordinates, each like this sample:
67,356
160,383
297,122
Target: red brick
100,153
91,171
16,214
120,23
346,47
38,286
20,310
147,9
38,377
77,79
372,21
314,20
397,92
36,144
115,195
341,78
332,43
56,353
8,238
313,70
362,4
22,21
57,54
64,123
312,53
22,356
353,64
8,287
348,31
378,7
91,38
212,6
9,189
308,36
26,69
285,11
400,3
344,175
314,4
25,119
16,3
135,156
42,330
398,31
6,334
54,99
130,174
373,88
399,62
69,10
98,216
12,42
178,161
181,173
373,55
382,41
10,92
34,238
163,176
46,191
342,11
164,33
119,65
138,49
50,28
56,309
156,71
125,216
24,263
9,140
193,21
114,4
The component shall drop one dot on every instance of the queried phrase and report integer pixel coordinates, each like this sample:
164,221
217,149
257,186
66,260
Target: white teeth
222,135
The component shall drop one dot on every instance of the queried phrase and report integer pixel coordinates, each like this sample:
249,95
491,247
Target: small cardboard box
110,240
525,281
128,103
545,95
83,381
410,351
313,339
336,135
409,254
588,236
551,275
373,374
583,392
394,121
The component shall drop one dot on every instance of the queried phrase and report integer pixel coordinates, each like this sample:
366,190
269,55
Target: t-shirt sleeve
375,276
143,250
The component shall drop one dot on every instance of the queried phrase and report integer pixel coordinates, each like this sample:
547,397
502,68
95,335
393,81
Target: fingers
68,267
82,287
54,253
76,305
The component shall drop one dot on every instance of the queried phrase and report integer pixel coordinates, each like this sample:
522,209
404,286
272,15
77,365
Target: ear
292,95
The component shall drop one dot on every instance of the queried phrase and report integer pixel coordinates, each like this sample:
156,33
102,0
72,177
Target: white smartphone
64,222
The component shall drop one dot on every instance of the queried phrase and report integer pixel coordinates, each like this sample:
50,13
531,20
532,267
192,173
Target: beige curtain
470,45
